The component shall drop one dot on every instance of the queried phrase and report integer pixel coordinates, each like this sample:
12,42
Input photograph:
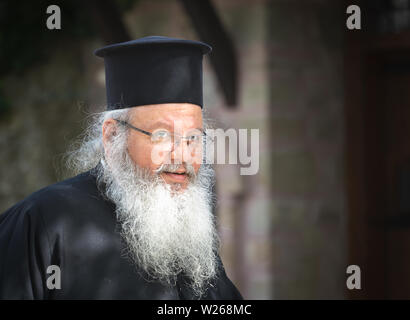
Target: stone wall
306,110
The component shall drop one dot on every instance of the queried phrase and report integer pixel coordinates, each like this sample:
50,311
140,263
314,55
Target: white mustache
189,169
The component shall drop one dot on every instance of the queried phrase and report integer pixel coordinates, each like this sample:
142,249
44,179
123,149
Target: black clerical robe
70,225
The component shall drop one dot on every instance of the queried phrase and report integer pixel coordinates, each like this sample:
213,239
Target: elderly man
137,222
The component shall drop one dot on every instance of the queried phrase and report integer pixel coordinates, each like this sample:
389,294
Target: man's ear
109,129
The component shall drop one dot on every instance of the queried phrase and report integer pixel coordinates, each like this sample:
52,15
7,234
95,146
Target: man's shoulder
65,196
81,185
70,190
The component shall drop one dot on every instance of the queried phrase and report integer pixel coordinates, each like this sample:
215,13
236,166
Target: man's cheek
193,156
159,156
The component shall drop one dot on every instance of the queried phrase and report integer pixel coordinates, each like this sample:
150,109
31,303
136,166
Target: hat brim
151,41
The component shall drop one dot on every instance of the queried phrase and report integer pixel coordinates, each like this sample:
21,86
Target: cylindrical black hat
153,70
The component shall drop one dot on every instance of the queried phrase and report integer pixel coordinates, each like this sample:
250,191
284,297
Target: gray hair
87,152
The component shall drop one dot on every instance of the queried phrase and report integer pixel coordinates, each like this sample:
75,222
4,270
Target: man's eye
160,135
194,138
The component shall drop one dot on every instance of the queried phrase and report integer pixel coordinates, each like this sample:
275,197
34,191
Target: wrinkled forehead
175,115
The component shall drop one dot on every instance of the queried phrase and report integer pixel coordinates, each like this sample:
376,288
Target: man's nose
180,152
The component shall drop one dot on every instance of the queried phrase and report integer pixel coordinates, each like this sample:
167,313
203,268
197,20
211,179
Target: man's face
183,119
166,231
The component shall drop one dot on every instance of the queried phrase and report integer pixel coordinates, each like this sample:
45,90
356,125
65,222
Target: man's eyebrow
193,129
159,123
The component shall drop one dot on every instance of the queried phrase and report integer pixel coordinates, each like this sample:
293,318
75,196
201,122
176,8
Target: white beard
166,232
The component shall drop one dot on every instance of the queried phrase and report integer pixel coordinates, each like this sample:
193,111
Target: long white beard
166,232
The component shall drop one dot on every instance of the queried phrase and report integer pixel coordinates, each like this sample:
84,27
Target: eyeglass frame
125,123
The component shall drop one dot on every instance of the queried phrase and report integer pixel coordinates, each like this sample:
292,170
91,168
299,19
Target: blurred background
331,106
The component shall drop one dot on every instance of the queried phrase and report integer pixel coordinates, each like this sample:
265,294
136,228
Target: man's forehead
168,107
177,126
169,114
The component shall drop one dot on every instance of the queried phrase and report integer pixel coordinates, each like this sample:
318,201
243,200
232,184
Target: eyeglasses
168,140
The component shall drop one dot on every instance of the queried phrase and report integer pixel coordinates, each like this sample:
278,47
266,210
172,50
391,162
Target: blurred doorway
378,159
387,174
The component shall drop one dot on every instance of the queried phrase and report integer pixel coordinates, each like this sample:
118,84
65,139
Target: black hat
153,70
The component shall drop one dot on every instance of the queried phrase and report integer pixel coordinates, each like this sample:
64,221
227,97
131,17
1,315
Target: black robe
70,224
